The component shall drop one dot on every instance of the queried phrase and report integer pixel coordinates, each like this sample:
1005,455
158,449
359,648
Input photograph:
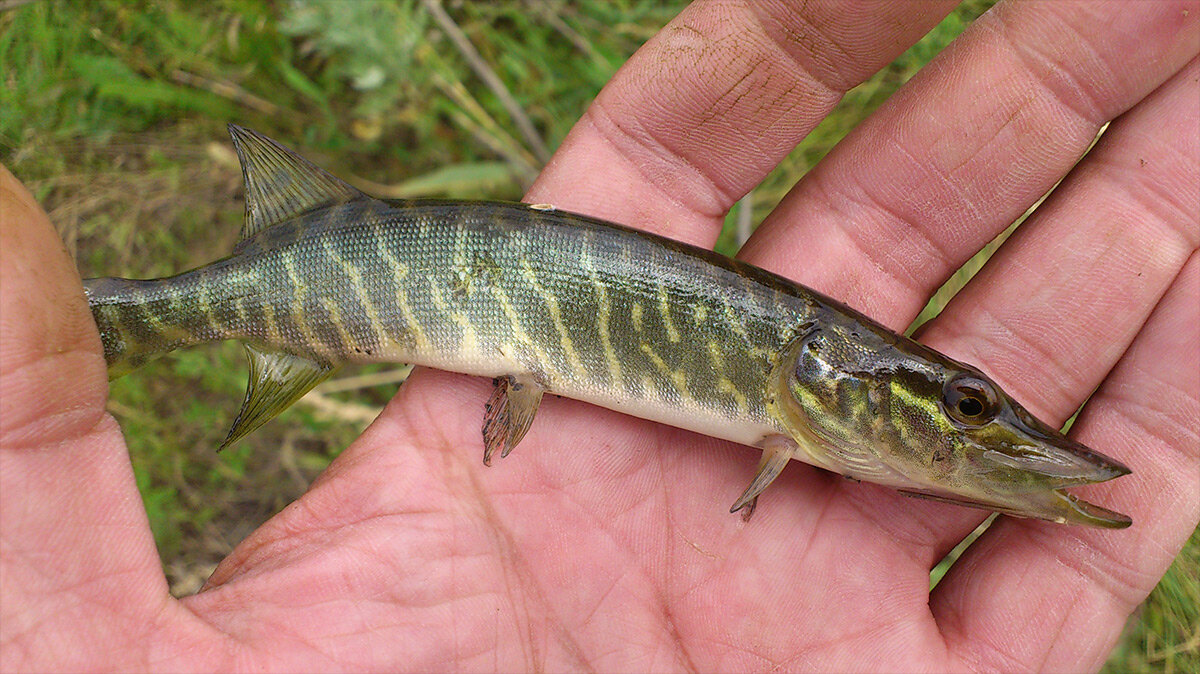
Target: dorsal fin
281,184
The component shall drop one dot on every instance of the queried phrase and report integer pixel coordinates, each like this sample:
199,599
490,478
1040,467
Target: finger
1065,296
913,234
1052,312
711,104
1034,597
967,146
77,562
80,577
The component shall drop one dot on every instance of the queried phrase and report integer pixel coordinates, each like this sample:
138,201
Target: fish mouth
1053,505
1027,479
1044,458
1065,508
1046,463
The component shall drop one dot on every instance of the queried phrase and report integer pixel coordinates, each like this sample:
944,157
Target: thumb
53,385
78,565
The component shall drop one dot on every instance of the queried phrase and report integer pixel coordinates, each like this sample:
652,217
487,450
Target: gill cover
876,406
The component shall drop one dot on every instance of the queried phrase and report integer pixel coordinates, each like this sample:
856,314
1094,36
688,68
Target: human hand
603,542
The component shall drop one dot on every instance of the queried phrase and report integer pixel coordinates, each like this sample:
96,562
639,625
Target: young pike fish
547,301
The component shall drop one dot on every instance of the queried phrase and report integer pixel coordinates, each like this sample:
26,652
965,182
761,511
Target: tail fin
141,320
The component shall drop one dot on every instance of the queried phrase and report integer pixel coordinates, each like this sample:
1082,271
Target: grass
114,114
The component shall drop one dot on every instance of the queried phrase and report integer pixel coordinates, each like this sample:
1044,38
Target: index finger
1027,597
705,109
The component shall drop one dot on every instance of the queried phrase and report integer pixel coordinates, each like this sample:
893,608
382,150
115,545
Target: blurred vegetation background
113,112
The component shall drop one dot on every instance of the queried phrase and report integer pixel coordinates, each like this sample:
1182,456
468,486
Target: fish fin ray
281,184
777,450
276,381
509,413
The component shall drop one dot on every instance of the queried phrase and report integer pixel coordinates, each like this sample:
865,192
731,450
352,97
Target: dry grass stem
336,409
489,77
368,380
232,92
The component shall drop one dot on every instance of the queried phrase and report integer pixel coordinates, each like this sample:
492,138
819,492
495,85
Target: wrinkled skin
407,554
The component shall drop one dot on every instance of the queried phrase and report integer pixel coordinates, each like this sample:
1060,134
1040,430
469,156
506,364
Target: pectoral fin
777,451
509,412
276,381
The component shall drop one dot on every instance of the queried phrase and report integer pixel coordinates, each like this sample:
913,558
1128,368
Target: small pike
546,301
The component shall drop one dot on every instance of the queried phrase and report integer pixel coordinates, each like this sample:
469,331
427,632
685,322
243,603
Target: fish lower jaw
1074,510
1052,505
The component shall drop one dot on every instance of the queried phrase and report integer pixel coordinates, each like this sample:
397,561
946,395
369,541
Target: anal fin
777,451
509,413
276,381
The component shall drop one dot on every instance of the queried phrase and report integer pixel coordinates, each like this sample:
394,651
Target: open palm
604,542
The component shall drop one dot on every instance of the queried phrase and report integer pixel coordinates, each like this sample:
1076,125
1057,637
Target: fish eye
969,400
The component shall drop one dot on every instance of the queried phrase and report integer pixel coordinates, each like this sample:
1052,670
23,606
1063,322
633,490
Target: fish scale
543,300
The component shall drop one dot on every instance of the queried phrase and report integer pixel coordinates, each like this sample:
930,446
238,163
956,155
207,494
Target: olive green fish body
548,301
590,310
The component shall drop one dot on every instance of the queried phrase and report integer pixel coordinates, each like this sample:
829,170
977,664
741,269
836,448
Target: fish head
879,407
